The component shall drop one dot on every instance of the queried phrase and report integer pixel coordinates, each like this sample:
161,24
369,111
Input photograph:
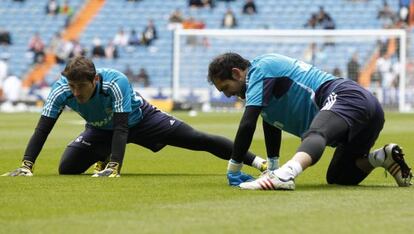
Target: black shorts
149,133
359,108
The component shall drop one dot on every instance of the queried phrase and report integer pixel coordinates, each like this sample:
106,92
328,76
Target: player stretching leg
115,115
322,109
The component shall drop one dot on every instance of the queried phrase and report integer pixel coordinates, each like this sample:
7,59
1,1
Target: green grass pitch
180,191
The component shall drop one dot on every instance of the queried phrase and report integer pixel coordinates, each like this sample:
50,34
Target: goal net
374,58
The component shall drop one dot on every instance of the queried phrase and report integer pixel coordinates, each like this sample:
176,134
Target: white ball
192,113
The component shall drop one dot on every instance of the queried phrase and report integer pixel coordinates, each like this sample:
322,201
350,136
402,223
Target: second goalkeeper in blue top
321,109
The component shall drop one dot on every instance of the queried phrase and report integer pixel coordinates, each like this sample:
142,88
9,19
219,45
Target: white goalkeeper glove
111,170
24,170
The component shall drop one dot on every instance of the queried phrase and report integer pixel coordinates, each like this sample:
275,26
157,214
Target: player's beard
242,93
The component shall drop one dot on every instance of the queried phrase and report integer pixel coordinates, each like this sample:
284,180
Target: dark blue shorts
149,133
358,107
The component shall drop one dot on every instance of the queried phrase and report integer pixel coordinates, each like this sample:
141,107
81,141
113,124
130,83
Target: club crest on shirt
102,122
108,110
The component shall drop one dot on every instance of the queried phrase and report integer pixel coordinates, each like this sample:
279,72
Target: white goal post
326,49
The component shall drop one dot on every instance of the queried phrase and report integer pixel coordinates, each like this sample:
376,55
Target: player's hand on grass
111,170
236,178
24,170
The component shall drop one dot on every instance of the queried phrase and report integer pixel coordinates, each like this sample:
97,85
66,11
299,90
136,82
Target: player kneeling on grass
322,109
115,115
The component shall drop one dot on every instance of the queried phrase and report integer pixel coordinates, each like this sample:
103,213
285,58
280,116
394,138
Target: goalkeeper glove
234,175
111,170
24,170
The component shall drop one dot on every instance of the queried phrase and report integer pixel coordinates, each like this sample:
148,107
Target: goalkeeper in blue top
115,115
322,109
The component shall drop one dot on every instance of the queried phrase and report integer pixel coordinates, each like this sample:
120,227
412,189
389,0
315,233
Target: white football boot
269,181
395,164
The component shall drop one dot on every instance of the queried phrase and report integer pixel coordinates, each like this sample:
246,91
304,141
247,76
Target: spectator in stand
249,7
312,21
404,10
384,68
133,38
382,45
4,67
52,7
321,15
65,51
129,74
143,77
175,20
121,38
328,22
78,49
385,11
67,10
337,72
229,19
176,16
353,68
57,47
98,50
37,46
5,38
324,20
111,51
195,3
149,34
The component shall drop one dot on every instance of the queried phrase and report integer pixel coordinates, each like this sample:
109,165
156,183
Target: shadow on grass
299,186
333,187
140,175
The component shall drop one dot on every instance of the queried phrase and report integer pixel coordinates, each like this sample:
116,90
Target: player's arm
119,141
242,144
273,138
120,91
245,132
35,145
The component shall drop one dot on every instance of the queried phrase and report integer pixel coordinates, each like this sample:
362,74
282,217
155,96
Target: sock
272,163
234,166
289,170
377,158
258,162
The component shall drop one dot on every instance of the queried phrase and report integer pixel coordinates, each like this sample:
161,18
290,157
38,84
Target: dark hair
220,67
79,69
